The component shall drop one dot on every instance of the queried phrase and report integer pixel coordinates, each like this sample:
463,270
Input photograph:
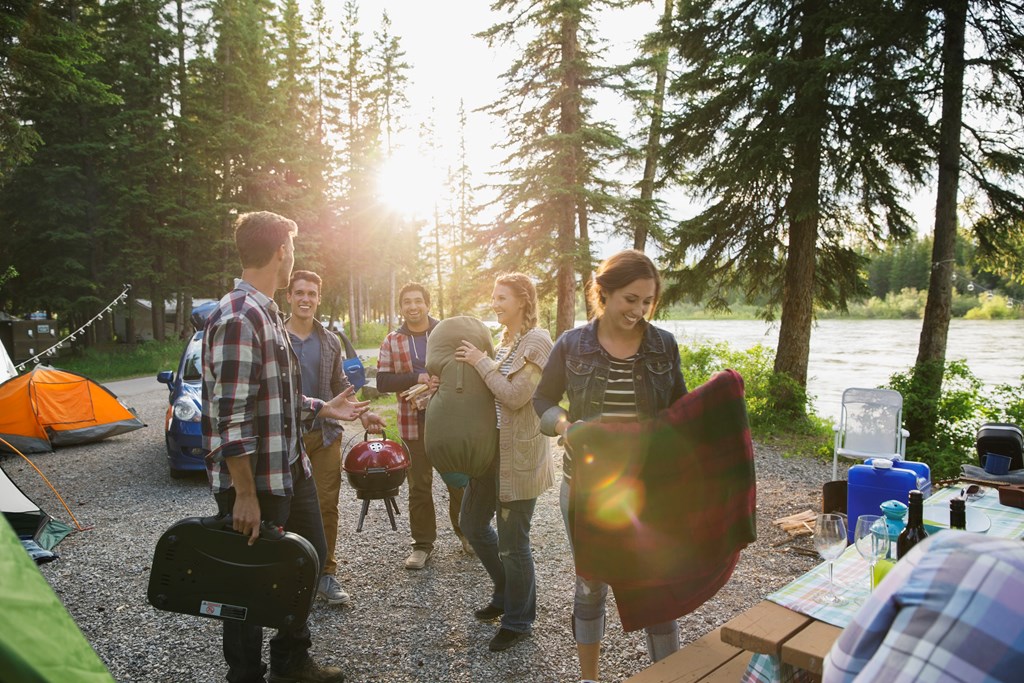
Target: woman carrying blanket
616,368
522,469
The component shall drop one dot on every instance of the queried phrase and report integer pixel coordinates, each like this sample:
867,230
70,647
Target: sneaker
504,639
489,613
308,672
331,591
467,547
417,559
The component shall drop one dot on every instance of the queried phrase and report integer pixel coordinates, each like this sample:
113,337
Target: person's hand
245,516
423,378
469,353
373,423
342,407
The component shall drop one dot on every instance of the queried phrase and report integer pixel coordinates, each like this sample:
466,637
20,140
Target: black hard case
1001,438
202,567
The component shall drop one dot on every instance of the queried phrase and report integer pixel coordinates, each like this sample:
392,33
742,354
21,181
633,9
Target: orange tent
48,407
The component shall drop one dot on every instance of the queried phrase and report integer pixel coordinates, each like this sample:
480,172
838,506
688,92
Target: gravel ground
401,625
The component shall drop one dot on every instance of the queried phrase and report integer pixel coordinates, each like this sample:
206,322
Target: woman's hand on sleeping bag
469,353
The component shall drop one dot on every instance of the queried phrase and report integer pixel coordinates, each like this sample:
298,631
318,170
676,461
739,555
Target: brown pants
422,516
326,462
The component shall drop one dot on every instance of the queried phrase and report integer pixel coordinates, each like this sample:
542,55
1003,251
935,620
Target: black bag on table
1002,438
203,567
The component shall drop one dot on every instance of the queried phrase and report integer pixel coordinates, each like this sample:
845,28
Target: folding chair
870,426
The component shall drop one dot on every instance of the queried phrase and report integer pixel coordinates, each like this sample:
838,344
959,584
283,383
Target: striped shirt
620,392
503,357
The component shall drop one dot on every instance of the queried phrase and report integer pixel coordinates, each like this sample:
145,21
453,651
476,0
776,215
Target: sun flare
410,184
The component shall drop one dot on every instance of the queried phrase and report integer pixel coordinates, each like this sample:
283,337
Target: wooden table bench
706,659
797,640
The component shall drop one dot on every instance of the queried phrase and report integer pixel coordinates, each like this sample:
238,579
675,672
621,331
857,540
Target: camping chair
870,426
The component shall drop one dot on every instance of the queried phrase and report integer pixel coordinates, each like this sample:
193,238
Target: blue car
183,432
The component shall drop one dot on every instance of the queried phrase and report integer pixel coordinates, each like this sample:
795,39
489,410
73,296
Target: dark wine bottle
914,532
957,513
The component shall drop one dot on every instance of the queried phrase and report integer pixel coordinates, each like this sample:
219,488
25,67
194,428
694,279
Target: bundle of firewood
416,394
800,524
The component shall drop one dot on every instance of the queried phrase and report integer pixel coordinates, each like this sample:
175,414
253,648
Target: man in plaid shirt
951,610
252,411
401,365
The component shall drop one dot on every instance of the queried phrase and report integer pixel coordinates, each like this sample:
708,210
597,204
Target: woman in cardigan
616,368
522,468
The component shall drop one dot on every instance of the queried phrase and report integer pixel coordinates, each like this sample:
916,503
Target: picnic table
787,636
789,633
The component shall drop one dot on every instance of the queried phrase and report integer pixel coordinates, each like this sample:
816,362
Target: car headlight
186,411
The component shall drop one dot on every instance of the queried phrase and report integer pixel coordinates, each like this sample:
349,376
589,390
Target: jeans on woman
505,554
588,608
243,641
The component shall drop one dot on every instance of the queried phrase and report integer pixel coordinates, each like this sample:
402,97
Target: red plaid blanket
662,508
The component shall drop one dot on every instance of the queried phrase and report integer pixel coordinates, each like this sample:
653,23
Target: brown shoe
308,672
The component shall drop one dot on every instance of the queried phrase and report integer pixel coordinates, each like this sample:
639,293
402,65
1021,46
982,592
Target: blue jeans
243,642
505,554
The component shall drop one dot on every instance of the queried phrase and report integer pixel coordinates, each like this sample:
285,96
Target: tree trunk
566,203
931,352
653,148
803,209
437,262
353,332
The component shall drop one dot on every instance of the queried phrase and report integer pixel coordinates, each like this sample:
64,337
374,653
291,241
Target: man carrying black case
252,411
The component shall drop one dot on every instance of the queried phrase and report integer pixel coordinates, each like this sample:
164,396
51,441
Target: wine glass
830,542
871,537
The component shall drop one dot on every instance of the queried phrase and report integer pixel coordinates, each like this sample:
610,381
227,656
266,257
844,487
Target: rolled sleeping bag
461,435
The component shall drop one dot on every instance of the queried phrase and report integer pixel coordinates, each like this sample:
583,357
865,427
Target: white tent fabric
6,365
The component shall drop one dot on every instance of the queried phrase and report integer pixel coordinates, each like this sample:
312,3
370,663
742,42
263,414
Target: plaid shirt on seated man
951,610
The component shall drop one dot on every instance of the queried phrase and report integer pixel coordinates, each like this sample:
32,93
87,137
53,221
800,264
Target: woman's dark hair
621,270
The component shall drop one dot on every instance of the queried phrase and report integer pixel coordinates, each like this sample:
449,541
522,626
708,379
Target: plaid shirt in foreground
952,610
251,392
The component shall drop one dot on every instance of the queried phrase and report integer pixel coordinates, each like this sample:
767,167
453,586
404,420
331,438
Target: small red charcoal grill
376,470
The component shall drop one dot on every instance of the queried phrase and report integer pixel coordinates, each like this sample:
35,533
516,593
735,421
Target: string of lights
972,286
123,296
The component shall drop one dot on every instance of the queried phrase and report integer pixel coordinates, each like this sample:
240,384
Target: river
865,353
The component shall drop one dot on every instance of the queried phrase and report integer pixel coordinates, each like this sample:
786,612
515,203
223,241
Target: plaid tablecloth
851,573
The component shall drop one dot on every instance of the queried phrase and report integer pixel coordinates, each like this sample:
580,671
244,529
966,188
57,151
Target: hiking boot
308,672
467,547
417,559
489,613
331,591
504,639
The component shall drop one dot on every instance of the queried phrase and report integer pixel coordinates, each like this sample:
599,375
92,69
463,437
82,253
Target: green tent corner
39,641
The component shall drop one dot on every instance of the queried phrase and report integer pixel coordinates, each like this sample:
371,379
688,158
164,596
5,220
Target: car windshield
192,364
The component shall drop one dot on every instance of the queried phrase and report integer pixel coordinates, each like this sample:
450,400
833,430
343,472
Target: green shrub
763,389
372,334
961,408
992,307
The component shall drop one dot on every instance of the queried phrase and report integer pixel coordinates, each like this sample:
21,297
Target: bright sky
450,64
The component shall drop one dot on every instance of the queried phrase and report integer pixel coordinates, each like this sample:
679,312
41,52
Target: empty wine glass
871,537
830,542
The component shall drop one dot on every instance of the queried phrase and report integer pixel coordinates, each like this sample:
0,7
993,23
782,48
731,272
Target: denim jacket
578,367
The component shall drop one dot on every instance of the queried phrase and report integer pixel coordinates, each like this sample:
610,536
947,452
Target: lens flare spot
618,504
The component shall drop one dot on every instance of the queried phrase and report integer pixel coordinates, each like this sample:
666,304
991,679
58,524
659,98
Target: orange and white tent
48,407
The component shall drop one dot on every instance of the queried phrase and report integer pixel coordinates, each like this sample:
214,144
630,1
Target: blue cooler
879,480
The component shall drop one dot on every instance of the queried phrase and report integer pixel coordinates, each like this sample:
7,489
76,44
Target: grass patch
122,361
